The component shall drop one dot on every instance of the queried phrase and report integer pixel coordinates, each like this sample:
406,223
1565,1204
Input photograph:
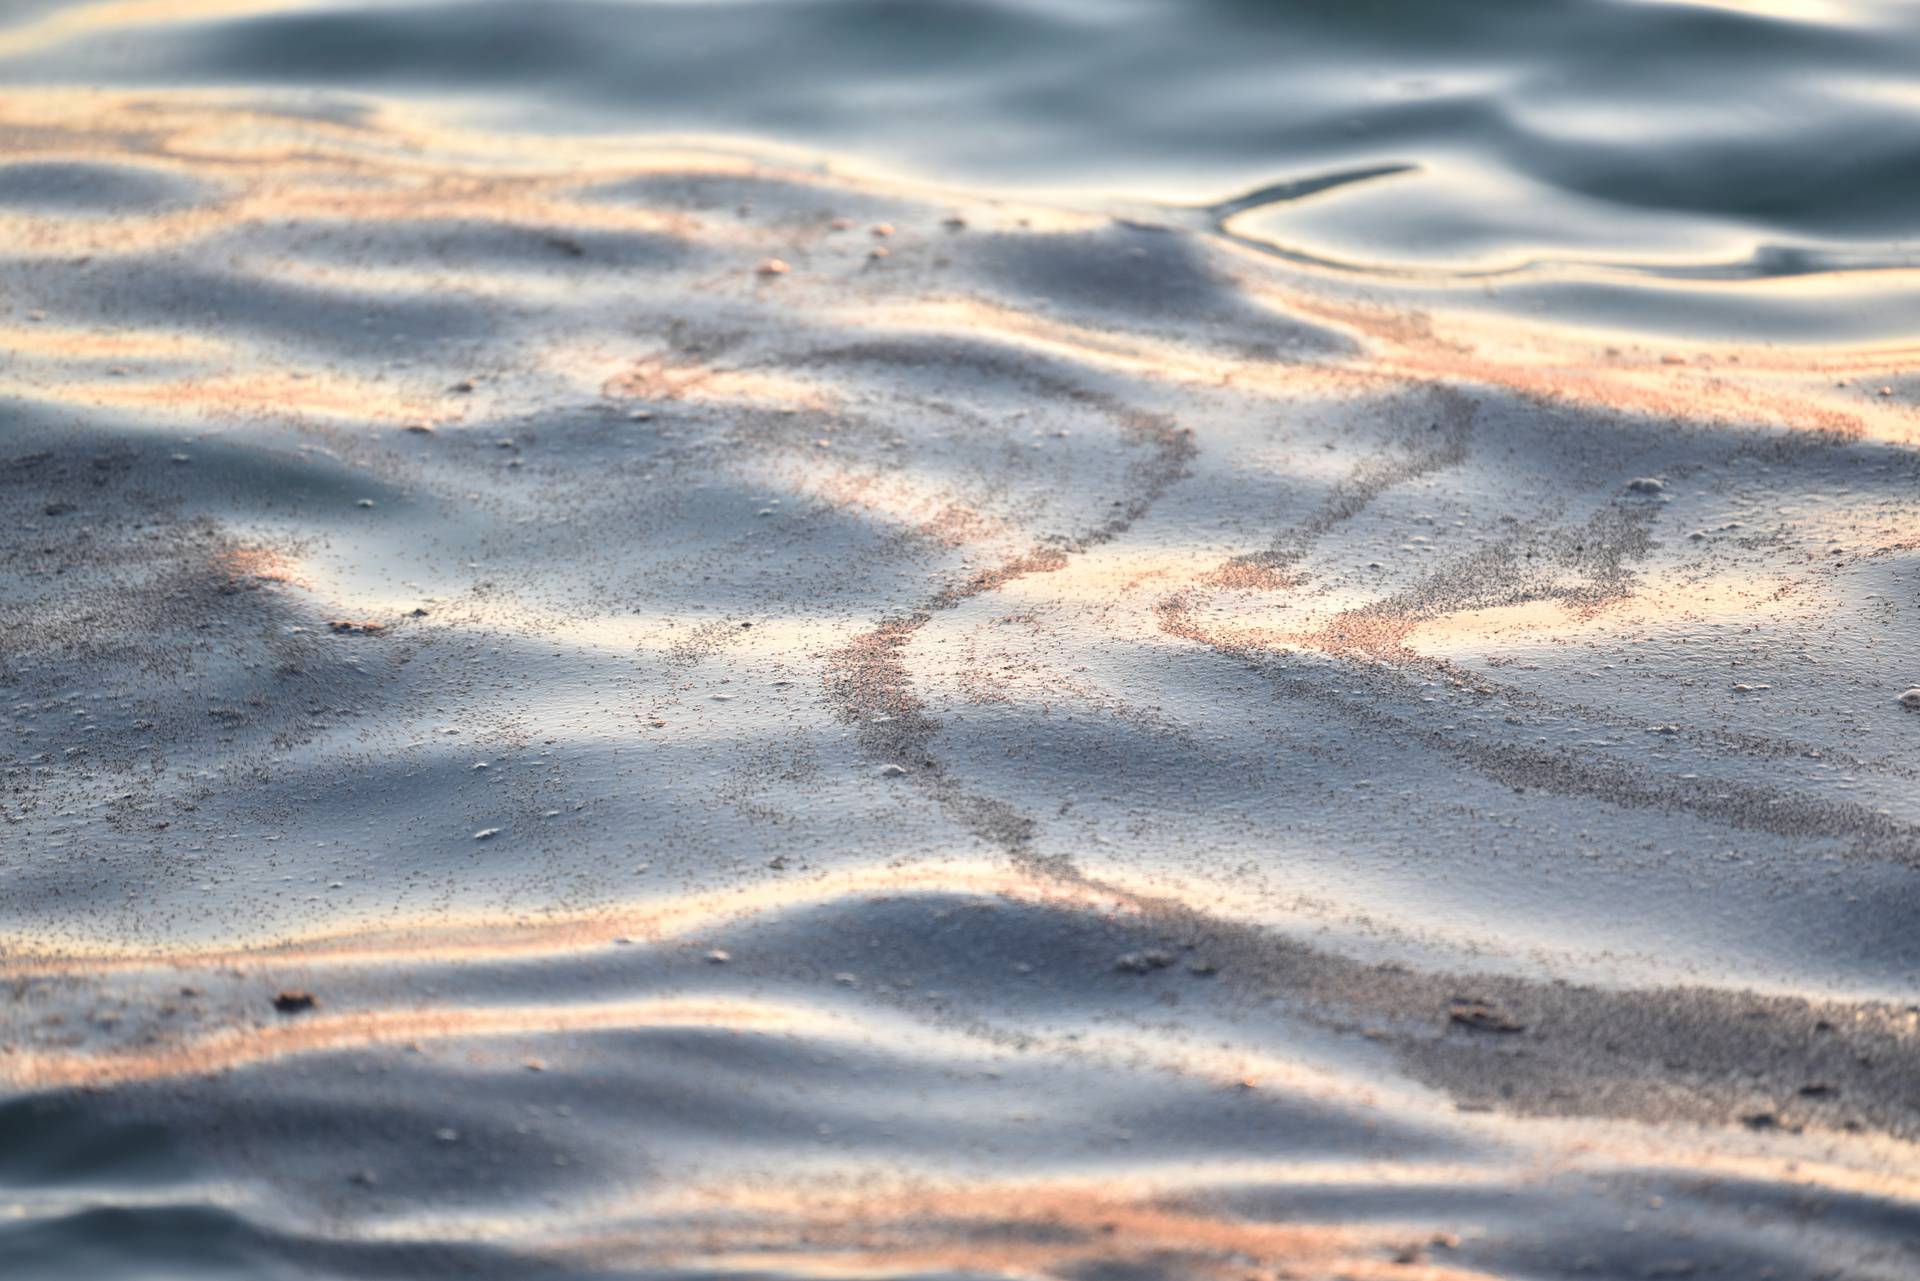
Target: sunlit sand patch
54,342
1151,360
665,378
1558,368
26,1068
875,1223
835,1194
273,393
1662,604
262,565
1409,636
448,936
348,194
1029,1229
29,1067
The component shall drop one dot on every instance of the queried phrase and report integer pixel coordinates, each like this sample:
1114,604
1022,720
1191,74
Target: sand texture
596,709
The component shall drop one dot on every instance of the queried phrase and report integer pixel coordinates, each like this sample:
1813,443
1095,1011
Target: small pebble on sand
1144,962
486,834
773,267
892,771
1647,485
1481,1016
1910,699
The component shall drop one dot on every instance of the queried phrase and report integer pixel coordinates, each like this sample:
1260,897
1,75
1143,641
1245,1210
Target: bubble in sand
364,502
892,771
1647,485
719,956
773,267
1911,699
447,1134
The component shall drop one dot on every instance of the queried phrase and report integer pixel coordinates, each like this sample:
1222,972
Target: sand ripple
1072,748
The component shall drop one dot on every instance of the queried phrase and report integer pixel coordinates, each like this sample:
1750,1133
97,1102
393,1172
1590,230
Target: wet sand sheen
1067,747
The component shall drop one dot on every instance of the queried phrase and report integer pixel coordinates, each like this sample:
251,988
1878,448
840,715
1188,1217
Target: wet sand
791,723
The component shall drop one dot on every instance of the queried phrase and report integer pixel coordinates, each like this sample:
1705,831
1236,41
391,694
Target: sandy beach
624,708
